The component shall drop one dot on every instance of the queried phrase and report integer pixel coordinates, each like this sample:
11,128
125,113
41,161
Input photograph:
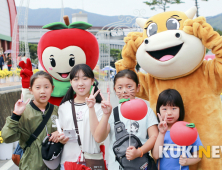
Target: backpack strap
41,126
116,114
119,126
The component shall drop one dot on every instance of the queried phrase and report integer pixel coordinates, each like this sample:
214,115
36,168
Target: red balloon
135,109
183,135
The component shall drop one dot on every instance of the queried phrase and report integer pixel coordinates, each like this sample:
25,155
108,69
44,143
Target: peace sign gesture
20,106
91,100
105,104
163,124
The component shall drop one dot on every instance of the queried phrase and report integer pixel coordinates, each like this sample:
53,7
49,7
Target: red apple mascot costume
59,51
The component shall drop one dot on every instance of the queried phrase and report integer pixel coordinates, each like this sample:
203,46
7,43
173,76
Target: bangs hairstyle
40,74
170,97
127,73
88,73
84,68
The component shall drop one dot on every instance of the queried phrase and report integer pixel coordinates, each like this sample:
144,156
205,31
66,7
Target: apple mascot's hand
26,72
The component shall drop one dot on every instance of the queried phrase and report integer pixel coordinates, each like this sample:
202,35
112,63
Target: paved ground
8,164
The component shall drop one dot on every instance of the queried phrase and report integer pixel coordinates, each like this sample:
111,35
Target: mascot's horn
141,22
191,12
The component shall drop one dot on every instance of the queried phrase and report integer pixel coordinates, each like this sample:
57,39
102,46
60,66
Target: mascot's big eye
72,61
172,24
151,29
53,63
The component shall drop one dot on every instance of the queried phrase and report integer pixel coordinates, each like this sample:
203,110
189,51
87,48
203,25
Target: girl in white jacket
89,111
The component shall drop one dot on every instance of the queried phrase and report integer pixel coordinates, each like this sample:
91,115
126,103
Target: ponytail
98,97
69,95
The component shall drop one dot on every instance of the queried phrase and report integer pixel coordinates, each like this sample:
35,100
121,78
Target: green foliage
116,54
162,4
137,66
219,31
103,48
33,52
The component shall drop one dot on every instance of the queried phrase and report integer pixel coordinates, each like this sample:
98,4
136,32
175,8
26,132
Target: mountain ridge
43,16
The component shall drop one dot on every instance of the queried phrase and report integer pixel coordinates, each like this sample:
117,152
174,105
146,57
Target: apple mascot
59,50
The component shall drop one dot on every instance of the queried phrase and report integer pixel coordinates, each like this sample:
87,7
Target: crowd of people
5,59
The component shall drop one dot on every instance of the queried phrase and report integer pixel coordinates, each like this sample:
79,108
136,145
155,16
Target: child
26,118
126,85
89,111
170,109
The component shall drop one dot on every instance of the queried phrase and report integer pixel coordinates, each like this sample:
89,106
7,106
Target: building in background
110,37
7,18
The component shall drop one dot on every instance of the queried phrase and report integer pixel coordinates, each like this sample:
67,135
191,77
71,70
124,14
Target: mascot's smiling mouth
166,54
64,75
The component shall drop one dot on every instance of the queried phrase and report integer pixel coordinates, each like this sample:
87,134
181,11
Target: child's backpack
122,143
17,154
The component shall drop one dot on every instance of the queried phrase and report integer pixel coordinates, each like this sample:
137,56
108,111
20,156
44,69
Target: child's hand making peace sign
163,124
91,100
105,104
20,106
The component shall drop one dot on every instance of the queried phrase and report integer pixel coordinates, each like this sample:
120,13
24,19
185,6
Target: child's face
81,84
126,88
41,90
172,113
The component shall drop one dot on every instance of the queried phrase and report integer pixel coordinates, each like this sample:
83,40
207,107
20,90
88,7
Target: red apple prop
63,36
135,109
183,133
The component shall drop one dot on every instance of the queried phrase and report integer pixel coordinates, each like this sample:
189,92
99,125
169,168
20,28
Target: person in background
9,62
1,61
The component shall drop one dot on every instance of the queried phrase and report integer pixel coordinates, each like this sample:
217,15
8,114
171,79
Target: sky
125,7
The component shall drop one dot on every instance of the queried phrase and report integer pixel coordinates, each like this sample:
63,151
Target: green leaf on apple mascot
80,25
59,25
55,26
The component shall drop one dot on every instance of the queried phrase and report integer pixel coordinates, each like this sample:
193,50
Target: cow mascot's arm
211,40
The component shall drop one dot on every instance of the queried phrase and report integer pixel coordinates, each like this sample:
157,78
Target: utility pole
196,3
62,12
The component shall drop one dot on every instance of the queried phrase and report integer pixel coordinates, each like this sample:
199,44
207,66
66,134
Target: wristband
141,152
15,113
